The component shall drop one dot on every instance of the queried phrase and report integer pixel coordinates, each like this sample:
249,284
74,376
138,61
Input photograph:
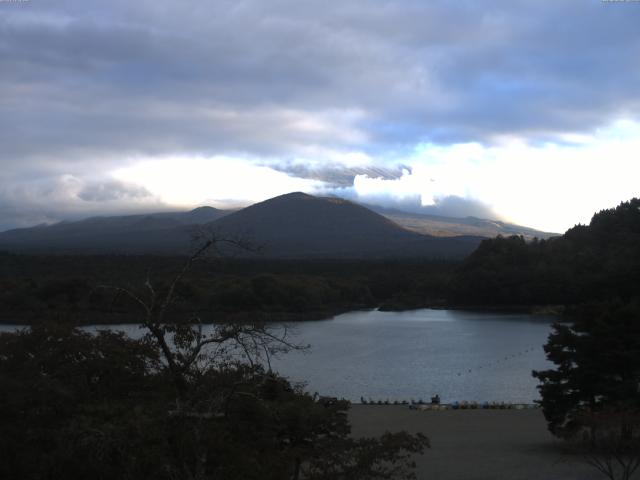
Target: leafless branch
182,345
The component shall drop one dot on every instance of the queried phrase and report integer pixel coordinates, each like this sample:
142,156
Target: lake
415,354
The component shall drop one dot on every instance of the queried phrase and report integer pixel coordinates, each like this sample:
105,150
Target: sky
524,111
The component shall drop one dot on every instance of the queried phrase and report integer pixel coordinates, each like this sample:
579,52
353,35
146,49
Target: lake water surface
415,354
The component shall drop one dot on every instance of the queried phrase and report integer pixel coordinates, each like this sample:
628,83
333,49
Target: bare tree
610,442
187,349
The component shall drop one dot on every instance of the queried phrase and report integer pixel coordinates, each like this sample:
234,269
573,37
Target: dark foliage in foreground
187,400
81,406
592,397
597,360
612,446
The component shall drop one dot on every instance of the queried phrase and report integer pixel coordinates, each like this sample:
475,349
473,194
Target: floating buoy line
498,361
421,404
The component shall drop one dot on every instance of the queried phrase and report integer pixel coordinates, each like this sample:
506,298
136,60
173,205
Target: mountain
294,225
165,232
301,225
441,226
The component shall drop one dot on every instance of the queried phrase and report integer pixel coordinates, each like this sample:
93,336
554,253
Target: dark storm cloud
110,191
86,87
216,77
339,176
51,199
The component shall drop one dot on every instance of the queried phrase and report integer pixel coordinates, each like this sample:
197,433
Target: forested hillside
588,263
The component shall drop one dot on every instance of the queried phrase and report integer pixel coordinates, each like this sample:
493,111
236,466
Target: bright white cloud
550,187
184,181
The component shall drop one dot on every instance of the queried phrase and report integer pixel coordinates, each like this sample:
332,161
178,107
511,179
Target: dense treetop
589,262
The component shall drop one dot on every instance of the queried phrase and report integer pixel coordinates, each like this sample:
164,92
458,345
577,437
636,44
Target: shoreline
117,318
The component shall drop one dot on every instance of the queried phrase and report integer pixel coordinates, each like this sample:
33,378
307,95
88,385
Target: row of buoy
463,405
496,362
369,401
476,406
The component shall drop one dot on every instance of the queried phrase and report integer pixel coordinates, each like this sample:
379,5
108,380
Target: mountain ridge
290,225
441,225
298,224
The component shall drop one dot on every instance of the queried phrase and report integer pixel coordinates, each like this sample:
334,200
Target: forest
595,262
73,286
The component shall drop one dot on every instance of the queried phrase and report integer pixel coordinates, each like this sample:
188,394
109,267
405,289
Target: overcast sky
527,111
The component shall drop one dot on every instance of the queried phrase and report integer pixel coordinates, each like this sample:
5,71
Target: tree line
31,286
595,262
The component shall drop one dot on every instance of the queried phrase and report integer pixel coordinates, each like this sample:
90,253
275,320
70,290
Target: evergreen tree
597,362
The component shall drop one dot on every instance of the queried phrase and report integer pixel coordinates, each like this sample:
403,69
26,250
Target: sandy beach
478,444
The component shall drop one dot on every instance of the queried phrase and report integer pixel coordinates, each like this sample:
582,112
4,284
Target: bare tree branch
184,344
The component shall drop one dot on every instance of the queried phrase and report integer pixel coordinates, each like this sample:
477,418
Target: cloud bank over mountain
327,95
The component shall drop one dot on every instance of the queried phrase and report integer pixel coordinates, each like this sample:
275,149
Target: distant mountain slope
441,226
164,232
297,225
